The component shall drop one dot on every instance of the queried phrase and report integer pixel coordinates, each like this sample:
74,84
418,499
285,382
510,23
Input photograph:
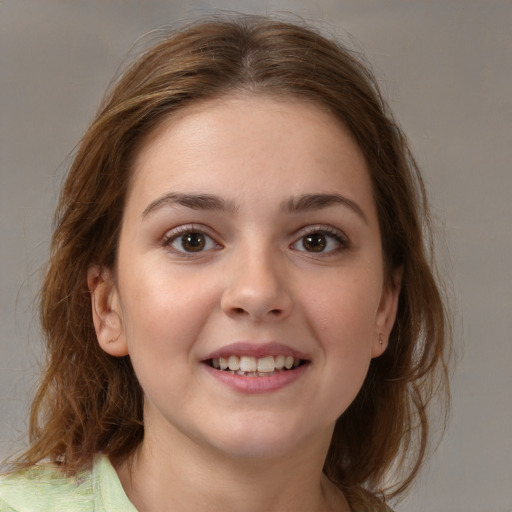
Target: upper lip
257,350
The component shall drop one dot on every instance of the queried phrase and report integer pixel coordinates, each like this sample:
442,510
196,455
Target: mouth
249,366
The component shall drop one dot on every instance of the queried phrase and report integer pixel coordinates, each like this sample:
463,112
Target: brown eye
316,242
321,240
193,242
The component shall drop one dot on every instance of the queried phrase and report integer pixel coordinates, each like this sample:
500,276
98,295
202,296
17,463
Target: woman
239,308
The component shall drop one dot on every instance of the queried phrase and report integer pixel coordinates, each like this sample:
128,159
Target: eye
321,240
190,241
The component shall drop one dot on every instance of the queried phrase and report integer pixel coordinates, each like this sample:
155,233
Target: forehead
246,143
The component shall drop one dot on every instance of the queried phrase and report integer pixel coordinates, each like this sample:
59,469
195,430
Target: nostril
237,311
253,303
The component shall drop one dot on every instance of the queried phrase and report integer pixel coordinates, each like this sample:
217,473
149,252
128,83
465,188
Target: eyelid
339,235
173,234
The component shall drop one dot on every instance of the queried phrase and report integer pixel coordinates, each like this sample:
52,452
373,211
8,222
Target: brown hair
90,402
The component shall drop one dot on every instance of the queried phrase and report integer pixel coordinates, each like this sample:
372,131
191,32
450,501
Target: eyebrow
302,203
311,202
193,201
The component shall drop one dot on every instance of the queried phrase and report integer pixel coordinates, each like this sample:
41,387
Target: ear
386,313
106,311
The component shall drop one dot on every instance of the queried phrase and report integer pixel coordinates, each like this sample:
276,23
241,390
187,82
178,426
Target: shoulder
46,488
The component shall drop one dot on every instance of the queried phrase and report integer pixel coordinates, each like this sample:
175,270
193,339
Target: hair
89,401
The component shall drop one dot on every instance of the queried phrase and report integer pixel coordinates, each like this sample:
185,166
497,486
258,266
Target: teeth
266,364
254,367
248,364
234,362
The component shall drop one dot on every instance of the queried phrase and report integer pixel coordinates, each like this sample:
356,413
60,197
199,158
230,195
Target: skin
208,446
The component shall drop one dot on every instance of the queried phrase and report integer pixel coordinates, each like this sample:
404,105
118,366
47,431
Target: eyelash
328,231
180,232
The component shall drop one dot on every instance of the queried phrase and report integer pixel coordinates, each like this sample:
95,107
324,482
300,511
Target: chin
256,449
260,440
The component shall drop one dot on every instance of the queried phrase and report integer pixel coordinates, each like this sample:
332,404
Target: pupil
314,243
193,242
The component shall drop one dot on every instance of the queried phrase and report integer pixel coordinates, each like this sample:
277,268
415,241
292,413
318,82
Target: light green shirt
45,488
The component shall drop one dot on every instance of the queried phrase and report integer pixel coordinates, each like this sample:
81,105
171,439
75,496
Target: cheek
163,313
344,312
343,318
346,341
162,321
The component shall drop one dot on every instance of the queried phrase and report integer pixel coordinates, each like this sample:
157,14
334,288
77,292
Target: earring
380,339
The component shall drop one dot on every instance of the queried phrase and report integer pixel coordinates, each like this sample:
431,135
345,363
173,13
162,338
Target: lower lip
257,385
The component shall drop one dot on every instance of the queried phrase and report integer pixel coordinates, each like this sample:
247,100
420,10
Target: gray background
445,66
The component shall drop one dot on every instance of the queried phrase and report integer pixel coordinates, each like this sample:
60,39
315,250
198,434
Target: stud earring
380,339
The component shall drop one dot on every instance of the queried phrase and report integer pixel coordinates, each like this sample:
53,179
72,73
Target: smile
249,366
274,365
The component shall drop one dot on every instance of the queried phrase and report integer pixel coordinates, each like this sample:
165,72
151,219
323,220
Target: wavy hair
90,402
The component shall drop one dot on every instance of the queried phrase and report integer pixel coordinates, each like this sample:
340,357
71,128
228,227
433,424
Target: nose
256,288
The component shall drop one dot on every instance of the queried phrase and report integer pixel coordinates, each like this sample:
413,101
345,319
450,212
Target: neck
189,478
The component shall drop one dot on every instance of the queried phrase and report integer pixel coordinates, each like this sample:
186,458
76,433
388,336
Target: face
249,291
